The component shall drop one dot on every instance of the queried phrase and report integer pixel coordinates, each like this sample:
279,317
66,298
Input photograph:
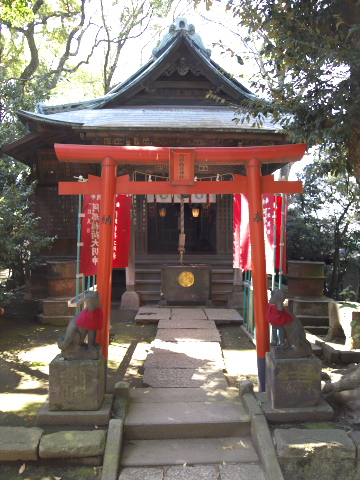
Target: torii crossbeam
181,162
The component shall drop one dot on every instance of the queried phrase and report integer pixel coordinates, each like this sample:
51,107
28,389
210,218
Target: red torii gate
181,162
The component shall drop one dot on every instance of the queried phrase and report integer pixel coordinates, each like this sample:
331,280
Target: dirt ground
27,347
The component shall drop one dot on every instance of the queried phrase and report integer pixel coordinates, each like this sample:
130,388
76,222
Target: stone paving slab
70,444
184,377
241,472
179,322
204,350
198,472
192,313
181,360
152,315
164,395
19,443
193,451
223,315
188,335
142,474
298,443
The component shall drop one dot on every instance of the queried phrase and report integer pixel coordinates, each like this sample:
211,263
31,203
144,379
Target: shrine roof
181,43
156,118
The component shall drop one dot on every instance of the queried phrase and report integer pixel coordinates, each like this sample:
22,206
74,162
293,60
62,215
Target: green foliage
21,241
307,53
323,222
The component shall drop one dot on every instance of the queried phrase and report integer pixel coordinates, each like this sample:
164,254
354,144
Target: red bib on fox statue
91,319
276,317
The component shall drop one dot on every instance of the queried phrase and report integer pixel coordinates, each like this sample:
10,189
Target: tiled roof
210,118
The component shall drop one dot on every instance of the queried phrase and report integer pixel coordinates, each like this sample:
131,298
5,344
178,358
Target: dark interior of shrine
164,226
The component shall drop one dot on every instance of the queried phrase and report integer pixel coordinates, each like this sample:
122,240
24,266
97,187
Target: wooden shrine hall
164,104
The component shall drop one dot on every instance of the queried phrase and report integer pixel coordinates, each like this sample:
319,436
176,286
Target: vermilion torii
181,162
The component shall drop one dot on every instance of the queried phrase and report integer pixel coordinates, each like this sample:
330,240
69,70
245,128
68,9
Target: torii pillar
181,162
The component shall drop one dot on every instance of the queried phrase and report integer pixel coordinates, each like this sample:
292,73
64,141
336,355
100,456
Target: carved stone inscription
293,383
76,384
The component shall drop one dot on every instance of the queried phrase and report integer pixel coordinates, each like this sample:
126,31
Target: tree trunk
354,154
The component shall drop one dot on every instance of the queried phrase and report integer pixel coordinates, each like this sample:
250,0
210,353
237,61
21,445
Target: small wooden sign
182,170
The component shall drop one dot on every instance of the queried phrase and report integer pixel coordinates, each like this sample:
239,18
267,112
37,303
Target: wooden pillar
256,221
107,218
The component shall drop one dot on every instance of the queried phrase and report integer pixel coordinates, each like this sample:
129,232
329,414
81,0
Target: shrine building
163,104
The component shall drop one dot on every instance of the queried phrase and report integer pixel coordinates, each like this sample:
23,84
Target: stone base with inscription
293,382
76,384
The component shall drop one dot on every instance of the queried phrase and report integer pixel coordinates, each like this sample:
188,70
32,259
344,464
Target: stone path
186,423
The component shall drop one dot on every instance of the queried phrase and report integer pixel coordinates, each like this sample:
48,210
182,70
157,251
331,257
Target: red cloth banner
242,244
90,233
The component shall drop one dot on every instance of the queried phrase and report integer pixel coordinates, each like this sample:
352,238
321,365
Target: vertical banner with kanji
242,246
242,241
90,233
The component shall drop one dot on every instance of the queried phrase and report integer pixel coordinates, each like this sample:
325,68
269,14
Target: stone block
76,384
293,382
70,444
188,313
181,360
19,443
57,307
223,315
122,389
130,473
130,300
245,386
175,420
193,451
184,377
323,443
321,453
321,412
309,306
188,335
76,417
198,472
113,450
237,472
331,355
180,322
345,320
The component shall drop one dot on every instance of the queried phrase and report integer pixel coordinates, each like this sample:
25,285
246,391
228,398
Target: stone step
309,306
194,451
314,320
318,331
168,395
185,377
175,420
54,320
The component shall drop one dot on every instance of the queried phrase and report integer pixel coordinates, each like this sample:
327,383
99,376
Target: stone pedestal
76,384
293,382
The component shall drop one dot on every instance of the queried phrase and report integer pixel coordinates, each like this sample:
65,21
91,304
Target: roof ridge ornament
181,27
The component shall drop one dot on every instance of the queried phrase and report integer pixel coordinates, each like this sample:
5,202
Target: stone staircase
148,275
186,415
313,313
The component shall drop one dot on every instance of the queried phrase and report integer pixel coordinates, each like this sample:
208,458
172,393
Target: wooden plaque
182,171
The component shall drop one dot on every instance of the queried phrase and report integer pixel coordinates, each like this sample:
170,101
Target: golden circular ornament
186,279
